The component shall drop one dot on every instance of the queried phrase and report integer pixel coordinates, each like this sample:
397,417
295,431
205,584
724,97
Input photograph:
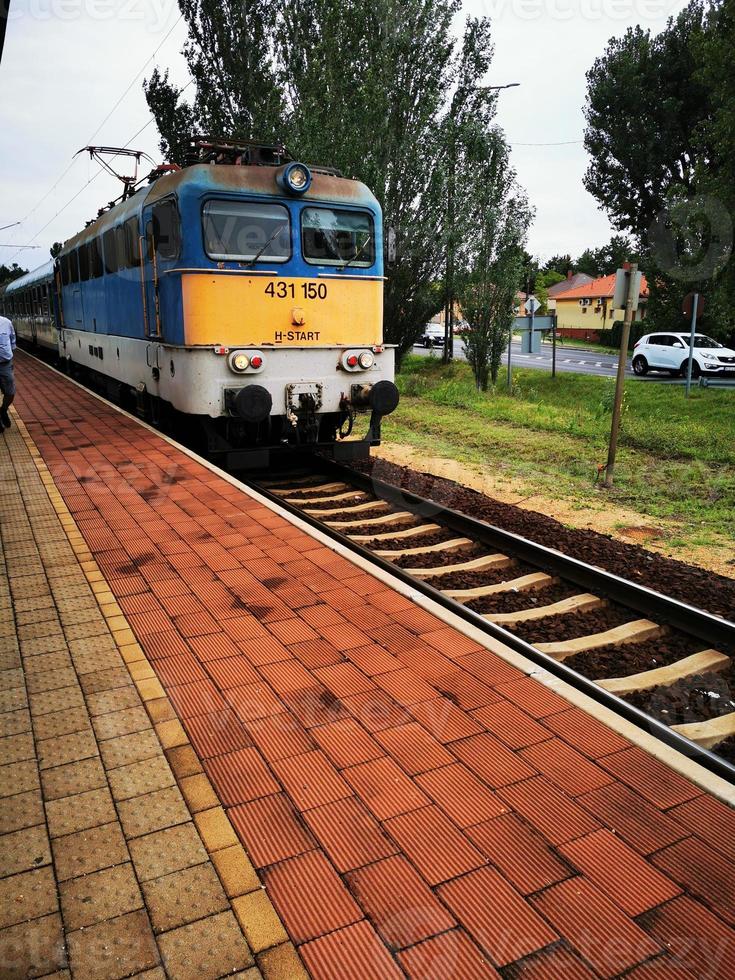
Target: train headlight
357,360
246,362
294,178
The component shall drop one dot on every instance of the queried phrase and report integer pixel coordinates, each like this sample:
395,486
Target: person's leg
7,386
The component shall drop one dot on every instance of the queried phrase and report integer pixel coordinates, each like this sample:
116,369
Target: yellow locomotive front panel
235,310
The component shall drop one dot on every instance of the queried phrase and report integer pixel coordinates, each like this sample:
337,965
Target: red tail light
256,361
352,360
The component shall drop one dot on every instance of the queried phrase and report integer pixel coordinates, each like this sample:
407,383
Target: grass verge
676,457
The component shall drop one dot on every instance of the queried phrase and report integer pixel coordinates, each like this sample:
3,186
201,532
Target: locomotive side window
110,246
244,231
166,229
132,260
74,266
83,253
95,258
330,236
64,267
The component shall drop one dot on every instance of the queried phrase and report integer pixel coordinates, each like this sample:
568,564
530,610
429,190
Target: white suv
670,352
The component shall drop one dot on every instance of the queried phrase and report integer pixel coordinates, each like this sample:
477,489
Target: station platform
230,749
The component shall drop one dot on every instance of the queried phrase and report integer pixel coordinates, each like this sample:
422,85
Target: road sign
532,304
688,305
620,295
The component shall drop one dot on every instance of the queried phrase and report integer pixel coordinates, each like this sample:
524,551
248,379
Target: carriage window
96,267
44,301
132,247
110,245
166,229
244,231
333,237
83,255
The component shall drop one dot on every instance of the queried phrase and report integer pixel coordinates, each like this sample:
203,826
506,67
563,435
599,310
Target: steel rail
703,625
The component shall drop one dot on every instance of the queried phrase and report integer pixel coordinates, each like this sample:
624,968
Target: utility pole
449,297
632,277
693,330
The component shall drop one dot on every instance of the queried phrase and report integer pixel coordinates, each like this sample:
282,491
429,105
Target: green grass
676,457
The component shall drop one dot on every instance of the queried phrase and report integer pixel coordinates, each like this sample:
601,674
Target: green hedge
613,337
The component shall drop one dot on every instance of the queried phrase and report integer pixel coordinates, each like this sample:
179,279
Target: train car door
162,242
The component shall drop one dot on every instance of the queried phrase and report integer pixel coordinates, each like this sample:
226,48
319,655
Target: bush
614,336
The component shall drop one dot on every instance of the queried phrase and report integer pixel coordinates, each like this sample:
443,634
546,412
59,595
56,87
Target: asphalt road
571,359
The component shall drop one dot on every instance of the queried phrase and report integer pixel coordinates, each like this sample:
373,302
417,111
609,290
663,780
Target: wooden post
620,380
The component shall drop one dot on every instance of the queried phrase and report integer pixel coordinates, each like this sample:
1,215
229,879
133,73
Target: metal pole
4,14
510,369
449,298
693,330
620,380
553,346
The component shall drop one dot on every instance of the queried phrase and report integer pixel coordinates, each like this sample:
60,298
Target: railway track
667,666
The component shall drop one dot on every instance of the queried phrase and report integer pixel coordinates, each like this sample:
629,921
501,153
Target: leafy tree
490,282
644,108
545,279
560,264
661,135
10,272
716,177
550,277
379,89
528,271
230,54
607,259
369,84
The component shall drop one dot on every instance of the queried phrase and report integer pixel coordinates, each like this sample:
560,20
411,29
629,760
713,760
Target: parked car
432,336
670,352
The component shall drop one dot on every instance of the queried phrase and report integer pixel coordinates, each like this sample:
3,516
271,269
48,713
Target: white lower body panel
194,379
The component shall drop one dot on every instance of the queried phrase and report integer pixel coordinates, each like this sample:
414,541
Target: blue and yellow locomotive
243,292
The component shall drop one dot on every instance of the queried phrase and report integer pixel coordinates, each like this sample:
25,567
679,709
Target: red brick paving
391,825
399,902
595,926
451,956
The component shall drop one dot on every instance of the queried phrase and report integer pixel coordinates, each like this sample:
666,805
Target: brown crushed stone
696,586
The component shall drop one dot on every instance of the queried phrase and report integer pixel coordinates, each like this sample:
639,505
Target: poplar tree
494,259
380,89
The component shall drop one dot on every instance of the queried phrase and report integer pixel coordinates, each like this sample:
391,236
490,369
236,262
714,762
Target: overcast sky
67,63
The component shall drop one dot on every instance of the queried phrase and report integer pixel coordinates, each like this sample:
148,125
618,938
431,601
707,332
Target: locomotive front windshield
243,231
330,236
